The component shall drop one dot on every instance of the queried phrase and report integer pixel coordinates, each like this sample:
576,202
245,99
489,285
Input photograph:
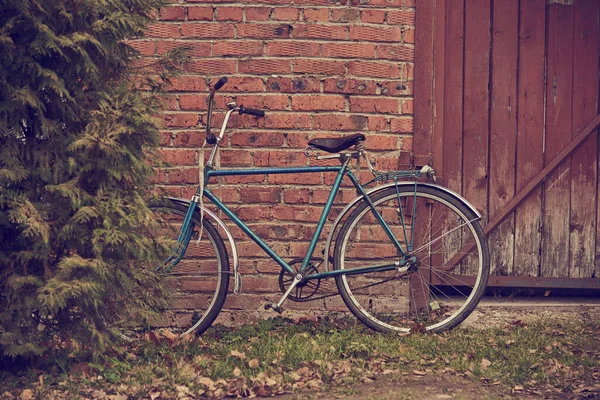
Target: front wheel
197,285
449,268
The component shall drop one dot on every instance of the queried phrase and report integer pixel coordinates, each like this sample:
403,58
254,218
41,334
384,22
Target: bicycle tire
198,284
389,301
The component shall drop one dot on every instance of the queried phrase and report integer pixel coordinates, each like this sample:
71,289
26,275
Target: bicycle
408,255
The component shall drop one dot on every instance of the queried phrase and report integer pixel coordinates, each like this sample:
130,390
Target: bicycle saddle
335,145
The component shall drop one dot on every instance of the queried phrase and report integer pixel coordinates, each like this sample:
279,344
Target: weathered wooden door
501,88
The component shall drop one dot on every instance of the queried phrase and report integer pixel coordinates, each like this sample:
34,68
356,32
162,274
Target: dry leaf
420,373
253,363
237,372
237,354
26,394
485,363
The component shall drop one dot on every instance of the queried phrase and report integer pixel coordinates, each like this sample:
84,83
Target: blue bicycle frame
342,170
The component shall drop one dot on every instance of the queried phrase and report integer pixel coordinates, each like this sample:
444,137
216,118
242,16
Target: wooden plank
525,282
583,221
559,101
476,103
530,133
503,130
439,86
453,97
423,118
521,196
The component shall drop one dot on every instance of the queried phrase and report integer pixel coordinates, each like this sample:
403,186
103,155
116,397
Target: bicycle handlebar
210,138
252,111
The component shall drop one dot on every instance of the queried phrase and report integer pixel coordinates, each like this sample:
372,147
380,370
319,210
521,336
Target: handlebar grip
220,83
252,111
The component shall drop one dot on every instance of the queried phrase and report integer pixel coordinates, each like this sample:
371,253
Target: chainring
305,290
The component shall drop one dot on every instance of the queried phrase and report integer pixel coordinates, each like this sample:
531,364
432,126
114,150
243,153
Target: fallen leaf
420,373
26,394
253,363
518,388
485,363
237,372
237,354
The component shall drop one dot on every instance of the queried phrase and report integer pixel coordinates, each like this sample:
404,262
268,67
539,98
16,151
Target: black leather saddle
335,145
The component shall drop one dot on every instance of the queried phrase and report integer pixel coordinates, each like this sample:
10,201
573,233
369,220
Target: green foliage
76,129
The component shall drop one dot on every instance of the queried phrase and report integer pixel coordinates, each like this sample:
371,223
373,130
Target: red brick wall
318,68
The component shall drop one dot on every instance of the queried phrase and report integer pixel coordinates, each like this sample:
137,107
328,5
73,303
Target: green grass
276,356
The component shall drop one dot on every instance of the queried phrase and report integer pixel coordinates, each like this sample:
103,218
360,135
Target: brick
377,3
263,31
265,67
229,14
293,85
275,158
398,53
184,176
260,195
349,86
319,67
210,66
410,3
374,105
237,48
295,213
402,125
318,102
188,138
193,102
188,83
382,70
378,123
318,31
235,158
284,120
171,102
348,50
372,16
193,49
344,15
253,213
178,157
207,30
172,13
296,179
257,139
321,2
336,122
397,17
264,102
200,13
296,196
297,140
162,30
383,143
375,33
407,71
407,106
181,120
285,14
315,14
258,13
409,36
397,88
245,84
293,48
233,180
144,47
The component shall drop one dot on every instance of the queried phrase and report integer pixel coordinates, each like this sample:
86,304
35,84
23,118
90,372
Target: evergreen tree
75,132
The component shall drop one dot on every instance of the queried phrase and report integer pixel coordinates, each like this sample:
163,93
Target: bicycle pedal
274,307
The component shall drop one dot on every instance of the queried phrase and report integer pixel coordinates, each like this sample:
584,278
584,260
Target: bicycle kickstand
277,307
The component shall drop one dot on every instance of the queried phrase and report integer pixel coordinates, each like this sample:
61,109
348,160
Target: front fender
237,286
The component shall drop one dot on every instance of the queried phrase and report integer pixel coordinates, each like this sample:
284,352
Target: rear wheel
445,283
197,285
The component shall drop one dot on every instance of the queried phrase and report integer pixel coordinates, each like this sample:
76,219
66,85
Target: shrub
75,133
